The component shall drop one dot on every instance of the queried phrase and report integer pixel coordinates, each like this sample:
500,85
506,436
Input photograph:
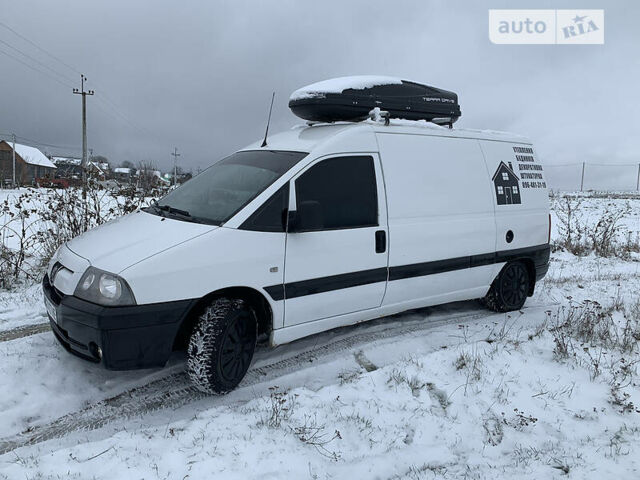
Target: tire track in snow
175,390
23,331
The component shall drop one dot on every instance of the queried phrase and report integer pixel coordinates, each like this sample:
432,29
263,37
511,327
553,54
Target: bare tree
147,178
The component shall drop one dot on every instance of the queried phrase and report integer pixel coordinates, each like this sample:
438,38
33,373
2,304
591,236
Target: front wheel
221,346
510,289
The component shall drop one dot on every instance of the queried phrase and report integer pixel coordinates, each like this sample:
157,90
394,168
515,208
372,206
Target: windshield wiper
168,209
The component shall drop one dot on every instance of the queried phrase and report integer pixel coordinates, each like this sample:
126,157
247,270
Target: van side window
344,189
270,217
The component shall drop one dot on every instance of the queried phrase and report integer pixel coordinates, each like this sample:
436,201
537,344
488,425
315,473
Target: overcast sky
198,75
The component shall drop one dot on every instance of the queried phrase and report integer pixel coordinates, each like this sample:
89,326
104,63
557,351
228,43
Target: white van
328,225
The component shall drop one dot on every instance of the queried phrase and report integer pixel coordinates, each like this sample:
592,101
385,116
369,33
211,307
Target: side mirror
307,218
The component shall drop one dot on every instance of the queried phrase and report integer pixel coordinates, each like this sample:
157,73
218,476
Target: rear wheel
510,289
221,346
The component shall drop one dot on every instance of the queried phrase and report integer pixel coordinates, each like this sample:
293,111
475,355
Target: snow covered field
446,392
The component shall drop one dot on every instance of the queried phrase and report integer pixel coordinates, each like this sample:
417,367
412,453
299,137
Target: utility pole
84,125
582,179
175,155
638,179
13,154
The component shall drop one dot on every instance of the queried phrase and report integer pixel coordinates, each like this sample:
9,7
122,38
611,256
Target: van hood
127,240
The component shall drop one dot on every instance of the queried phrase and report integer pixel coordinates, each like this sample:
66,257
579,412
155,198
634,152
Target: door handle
381,241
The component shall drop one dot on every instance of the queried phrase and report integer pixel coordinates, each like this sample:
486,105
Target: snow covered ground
446,392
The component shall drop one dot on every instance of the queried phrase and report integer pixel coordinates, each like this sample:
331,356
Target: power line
36,69
36,142
105,100
114,111
103,97
42,144
35,60
38,47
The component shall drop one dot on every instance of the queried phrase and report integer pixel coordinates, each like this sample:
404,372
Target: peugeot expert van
327,225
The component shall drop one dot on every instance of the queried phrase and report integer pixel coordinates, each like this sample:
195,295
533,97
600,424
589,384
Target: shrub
37,222
571,231
605,237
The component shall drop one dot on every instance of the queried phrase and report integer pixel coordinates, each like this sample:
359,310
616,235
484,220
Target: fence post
582,178
638,179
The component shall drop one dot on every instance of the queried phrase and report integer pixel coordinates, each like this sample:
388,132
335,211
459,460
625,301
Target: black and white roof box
352,98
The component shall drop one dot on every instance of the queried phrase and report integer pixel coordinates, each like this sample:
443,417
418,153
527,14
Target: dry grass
605,237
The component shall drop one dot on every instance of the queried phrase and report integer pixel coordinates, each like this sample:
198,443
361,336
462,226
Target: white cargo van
327,225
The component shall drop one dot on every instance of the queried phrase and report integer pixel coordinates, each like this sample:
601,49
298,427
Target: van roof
306,138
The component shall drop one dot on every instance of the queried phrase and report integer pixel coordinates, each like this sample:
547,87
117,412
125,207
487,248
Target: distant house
71,168
123,174
98,170
507,185
31,164
68,167
104,168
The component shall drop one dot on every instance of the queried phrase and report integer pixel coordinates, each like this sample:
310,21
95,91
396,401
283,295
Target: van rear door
521,198
336,261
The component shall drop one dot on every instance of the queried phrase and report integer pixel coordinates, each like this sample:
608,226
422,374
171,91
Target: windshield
219,192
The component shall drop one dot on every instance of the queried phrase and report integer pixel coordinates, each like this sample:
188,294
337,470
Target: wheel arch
253,297
531,270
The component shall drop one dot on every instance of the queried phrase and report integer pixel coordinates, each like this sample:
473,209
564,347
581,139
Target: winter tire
510,289
221,346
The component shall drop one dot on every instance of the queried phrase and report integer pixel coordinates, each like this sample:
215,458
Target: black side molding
539,255
327,284
276,291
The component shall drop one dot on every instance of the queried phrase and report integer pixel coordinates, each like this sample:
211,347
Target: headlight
103,288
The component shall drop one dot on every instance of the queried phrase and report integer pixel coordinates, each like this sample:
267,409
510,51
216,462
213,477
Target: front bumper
118,338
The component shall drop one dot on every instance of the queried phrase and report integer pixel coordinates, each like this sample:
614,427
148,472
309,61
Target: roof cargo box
352,98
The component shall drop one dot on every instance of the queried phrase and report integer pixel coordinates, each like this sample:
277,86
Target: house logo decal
507,185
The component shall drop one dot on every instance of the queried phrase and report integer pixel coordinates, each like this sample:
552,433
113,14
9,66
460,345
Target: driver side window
271,216
341,192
